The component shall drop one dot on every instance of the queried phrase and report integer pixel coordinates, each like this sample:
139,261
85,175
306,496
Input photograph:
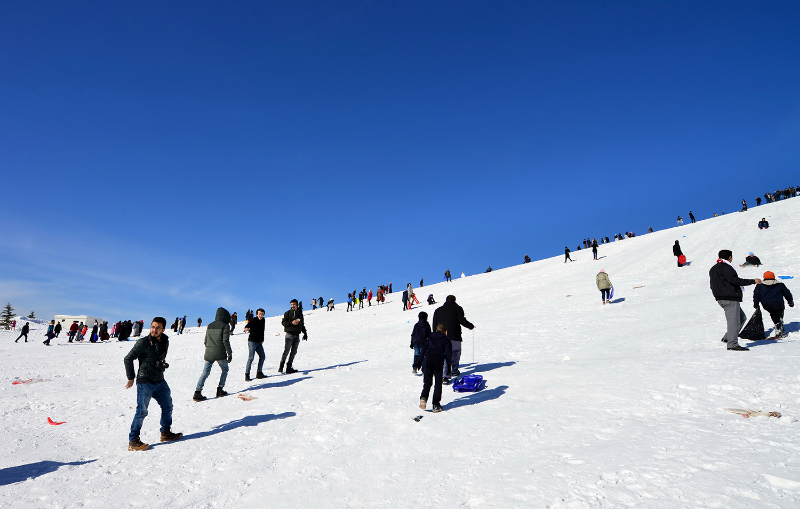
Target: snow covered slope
586,405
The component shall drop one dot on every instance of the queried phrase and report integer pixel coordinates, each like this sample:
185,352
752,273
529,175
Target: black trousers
777,317
431,371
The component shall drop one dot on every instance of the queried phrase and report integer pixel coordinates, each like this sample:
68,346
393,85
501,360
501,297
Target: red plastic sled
682,259
54,423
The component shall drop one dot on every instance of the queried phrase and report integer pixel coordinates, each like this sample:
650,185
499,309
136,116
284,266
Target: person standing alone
218,349
293,325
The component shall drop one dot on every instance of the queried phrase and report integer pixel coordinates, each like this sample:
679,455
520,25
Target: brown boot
137,445
169,436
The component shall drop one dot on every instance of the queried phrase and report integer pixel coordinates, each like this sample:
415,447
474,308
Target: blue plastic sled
469,383
611,293
785,277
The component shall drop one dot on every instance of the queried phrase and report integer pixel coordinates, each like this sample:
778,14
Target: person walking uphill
604,285
419,335
726,286
151,352
437,349
255,344
451,315
293,325
676,251
218,349
771,294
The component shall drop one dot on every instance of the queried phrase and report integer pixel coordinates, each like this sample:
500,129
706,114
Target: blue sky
169,158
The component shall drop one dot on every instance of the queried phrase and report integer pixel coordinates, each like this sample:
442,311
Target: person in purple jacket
420,334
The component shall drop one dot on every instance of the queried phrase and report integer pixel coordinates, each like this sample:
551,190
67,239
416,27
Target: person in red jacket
72,330
369,298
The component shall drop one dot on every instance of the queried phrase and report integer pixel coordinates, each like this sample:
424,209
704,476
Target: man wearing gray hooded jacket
218,349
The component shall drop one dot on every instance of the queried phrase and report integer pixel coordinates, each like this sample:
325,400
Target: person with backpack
218,349
255,344
604,285
771,294
419,335
726,286
676,251
435,351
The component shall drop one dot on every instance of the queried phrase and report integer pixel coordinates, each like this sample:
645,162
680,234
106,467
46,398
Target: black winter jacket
150,352
452,316
256,328
289,327
676,250
726,283
438,345
218,337
421,332
771,296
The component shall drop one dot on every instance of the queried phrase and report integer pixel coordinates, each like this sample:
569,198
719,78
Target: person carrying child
435,351
420,335
770,293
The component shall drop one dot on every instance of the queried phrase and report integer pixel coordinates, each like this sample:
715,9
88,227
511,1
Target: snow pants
735,318
777,318
223,365
22,334
290,349
163,396
255,348
431,373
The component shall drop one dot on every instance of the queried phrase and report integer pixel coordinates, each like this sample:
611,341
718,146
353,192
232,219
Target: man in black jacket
256,344
151,351
293,325
452,316
727,289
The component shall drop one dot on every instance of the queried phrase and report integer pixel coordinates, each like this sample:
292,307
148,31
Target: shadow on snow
481,368
21,473
307,371
477,397
250,420
272,385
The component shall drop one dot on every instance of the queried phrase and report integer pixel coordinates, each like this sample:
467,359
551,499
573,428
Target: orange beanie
769,275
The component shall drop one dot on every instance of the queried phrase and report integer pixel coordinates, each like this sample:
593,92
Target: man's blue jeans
161,393
255,348
223,365
417,356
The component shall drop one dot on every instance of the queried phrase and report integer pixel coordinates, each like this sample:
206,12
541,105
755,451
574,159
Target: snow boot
220,392
290,370
169,436
437,408
739,348
247,377
280,368
137,445
423,403
260,375
198,396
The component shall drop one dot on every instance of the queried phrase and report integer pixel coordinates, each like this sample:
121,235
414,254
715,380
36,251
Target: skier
604,285
151,351
50,334
255,344
419,335
452,316
293,325
24,332
435,351
726,286
527,259
751,260
447,275
566,254
763,224
218,349
771,295
676,251
57,329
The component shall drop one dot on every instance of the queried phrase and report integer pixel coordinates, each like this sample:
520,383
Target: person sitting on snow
771,294
430,299
763,224
751,260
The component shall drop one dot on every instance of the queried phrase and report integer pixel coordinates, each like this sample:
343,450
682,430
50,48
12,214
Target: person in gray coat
218,349
604,285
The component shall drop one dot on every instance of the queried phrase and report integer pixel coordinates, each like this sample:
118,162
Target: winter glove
305,337
791,305
230,358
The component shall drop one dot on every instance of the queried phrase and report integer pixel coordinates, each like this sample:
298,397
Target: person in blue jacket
771,294
763,224
420,334
435,351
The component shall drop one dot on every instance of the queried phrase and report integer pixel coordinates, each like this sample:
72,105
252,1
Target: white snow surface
585,406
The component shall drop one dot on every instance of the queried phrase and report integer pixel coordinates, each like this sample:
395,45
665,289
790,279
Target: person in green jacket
604,285
218,349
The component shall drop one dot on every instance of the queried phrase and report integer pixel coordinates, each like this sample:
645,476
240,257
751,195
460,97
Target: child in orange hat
771,294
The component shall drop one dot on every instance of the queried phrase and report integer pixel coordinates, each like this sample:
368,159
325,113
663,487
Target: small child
419,336
771,294
435,351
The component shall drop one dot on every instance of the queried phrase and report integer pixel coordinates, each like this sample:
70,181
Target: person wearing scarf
726,285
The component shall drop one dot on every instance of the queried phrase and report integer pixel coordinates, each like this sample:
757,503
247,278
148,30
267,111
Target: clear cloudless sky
167,158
